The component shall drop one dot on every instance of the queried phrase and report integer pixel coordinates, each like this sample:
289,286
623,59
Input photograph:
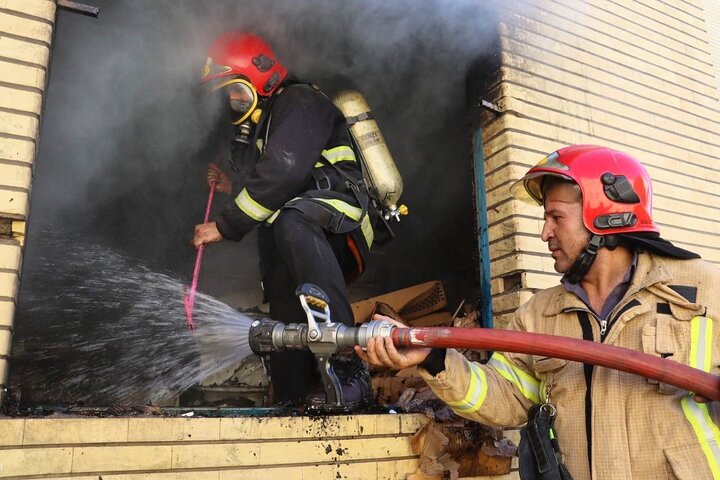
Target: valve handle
315,303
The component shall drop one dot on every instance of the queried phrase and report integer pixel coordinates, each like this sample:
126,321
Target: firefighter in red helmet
622,285
301,185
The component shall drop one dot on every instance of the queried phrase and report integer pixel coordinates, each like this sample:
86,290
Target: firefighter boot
354,379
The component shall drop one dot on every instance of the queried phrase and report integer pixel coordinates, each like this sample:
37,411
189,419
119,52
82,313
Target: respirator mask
242,97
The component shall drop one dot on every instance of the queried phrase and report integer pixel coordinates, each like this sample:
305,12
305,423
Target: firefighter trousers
296,250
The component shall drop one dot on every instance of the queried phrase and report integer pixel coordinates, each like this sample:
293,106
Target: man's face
564,230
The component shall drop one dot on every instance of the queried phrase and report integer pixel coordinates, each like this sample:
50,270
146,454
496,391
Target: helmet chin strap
586,258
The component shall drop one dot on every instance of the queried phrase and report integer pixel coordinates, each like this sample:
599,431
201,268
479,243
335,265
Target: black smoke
125,127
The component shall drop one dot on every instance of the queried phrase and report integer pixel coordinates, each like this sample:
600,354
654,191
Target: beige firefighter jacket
639,429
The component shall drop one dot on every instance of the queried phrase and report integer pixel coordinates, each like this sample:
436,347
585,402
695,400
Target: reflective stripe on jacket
639,429
306,135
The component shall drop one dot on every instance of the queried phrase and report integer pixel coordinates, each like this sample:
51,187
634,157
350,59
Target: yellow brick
15,49
22,100
173,429
540,280
284,473
24,27
396,469
47,431
618,115
220,455
7,313
515,243
355,471
605,39
378,424
194,475
510,301
4,364
22,75
332,450
15,124
330,426
13,204
19,176
35,461
121,458
5,342
10,256
37,8
497,286
8,284
19,150
258,428
11,431
412,423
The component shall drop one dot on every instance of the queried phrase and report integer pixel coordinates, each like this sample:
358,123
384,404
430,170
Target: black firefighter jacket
306,150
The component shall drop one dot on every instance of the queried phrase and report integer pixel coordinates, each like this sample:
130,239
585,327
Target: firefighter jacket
614,424
305,163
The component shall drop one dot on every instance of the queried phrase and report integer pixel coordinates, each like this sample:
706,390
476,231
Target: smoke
126,130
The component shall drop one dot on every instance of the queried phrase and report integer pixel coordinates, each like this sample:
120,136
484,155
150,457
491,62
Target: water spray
327,338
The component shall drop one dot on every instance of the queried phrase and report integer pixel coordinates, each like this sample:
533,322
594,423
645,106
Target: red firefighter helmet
616,188
236,54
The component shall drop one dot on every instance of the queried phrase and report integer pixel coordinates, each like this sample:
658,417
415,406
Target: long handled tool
189,297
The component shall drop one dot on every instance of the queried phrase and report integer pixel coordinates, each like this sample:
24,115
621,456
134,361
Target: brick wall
637,75
26,30
712,22
291,448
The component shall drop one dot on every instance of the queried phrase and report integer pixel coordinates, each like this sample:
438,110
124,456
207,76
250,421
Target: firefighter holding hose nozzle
622,285
300,184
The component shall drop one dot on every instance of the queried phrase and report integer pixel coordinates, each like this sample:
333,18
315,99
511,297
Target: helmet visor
242,97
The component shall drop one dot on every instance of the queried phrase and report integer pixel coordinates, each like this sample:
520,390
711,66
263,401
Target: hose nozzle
267,336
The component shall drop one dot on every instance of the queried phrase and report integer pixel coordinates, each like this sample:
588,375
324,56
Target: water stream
94,327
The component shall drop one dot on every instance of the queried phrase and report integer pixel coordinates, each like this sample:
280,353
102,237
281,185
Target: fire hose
326,338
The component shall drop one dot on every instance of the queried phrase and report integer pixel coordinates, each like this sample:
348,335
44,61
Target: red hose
617,358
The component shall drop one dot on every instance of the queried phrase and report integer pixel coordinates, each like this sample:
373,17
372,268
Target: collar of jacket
651,275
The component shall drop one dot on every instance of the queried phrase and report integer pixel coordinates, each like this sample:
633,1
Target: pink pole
189,298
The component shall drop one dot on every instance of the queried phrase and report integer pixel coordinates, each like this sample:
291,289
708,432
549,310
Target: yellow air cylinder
380,171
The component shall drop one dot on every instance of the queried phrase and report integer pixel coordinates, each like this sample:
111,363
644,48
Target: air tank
380,171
